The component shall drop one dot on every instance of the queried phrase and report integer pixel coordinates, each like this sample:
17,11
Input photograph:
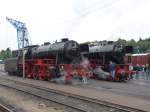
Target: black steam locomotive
102,53
39,59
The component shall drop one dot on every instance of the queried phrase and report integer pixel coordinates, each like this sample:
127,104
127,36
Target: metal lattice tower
22,32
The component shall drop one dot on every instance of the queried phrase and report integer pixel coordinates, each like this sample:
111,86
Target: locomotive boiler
65,51
105,51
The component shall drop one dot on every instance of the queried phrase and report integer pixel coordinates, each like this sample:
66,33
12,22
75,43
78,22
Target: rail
46,91
4,109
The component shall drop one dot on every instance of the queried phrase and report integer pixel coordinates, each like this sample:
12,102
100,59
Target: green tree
4,54
140,46
122,41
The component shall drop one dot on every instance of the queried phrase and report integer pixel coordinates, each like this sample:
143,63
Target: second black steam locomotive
103,52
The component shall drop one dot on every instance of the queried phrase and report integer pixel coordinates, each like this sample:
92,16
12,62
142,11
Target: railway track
4,109
79,103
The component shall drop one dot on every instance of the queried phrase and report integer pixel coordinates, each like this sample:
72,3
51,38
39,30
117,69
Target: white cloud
48,20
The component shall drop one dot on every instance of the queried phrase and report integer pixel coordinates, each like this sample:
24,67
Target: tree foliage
140,46
4,54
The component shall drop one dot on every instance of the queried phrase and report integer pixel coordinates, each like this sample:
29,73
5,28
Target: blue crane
22,33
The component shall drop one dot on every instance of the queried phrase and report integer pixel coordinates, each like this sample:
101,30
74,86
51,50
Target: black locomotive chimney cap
46,43
64,39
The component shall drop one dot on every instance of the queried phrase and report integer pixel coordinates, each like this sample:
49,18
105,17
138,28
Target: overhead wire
94,7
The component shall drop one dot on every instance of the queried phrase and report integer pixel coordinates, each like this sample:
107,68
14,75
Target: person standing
131,69
84,77
137,69
112,69
147,70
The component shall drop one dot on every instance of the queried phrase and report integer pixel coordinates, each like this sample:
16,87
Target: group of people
59,72
60,75
142,70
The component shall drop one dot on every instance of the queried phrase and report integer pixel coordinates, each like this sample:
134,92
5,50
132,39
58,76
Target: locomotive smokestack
64,39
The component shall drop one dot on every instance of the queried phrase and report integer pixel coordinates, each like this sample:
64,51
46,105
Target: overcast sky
80,20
